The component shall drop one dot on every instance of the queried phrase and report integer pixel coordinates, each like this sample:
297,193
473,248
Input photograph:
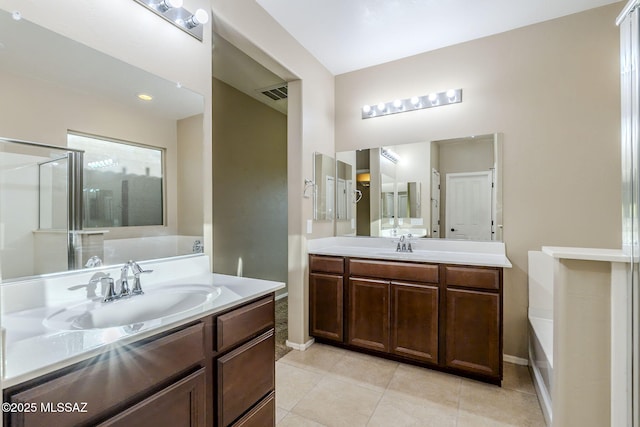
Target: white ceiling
347,35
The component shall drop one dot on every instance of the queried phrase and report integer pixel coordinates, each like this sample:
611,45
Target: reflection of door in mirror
469,205
344,191
435,203
363,185
324,170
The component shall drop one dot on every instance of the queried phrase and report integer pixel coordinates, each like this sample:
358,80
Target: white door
435,203
341,195
468,206
330,197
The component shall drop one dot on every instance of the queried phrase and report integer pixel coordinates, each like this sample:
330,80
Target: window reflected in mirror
122,182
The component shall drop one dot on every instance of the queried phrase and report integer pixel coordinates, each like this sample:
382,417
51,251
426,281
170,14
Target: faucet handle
137,271
110,294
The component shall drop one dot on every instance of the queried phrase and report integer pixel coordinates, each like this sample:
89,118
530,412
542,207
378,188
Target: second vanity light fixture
436,99
172,11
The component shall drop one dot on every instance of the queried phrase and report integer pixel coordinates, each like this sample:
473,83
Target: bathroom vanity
439,307
211,365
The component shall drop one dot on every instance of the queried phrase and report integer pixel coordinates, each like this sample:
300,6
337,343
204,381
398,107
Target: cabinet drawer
244,322
472,277
180,404
326,264
114,379
394,270
263,415
244,377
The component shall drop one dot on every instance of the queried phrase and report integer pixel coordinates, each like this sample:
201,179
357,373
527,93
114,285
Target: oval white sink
132,311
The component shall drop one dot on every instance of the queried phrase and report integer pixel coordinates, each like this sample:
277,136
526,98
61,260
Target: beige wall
552,89
249,186
310,128
190,208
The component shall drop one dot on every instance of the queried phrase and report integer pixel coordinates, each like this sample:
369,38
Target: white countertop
33,349
490,254
587,254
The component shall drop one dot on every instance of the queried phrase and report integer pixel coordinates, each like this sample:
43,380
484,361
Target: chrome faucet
404,244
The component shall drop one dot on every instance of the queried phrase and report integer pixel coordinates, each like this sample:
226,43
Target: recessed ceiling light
16,15
145,97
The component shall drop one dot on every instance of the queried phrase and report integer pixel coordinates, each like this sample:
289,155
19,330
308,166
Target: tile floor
328,386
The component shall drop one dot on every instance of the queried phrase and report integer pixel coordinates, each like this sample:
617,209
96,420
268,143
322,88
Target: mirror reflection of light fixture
435,99
389,155
172,11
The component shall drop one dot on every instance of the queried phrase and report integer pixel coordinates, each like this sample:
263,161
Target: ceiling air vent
276,93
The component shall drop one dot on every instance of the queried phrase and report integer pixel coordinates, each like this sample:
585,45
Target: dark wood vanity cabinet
448,317
393,316
414,321
326,290
244,358
474,320
218,371
369,314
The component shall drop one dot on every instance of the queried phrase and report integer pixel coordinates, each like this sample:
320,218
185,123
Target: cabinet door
263,415
179,405
325,306
414,321
369,314
112,379
244,377
473,332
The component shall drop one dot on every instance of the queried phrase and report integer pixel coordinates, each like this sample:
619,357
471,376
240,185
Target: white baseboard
286,294
515,360
300,347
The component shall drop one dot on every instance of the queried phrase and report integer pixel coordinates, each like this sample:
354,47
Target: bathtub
540,315
118,251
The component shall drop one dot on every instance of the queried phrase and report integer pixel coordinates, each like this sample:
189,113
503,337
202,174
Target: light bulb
200,17
415,101
16,15
382,106
165,5
397,103
433,98
451,94
366,109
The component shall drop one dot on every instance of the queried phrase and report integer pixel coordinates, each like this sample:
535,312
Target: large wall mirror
436,189
141,201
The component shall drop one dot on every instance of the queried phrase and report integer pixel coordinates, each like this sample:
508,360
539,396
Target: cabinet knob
453,229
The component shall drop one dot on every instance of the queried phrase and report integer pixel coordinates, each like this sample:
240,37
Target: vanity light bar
390,155
172,11
451,96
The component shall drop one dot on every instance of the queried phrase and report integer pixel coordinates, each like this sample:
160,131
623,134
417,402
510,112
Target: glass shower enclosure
40,208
